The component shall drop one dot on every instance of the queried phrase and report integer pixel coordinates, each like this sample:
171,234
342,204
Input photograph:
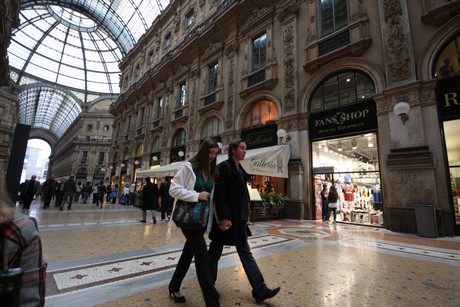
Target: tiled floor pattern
105,257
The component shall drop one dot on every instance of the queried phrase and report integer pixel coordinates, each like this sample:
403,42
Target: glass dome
73,46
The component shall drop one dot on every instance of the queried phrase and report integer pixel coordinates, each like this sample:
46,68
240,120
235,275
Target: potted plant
267,199
279,199
277,204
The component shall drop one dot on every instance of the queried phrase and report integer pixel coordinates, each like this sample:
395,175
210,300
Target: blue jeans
195,245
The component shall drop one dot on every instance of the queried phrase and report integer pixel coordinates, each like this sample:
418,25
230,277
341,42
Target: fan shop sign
350,119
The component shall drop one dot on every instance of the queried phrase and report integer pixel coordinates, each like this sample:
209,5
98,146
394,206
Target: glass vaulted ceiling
65,54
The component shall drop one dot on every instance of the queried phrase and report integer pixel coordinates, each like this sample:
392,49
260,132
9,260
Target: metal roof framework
69,50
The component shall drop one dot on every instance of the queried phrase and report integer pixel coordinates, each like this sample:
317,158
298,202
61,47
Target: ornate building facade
9,106
328,73
83,151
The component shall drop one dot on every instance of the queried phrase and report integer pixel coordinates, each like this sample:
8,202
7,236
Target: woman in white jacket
194,182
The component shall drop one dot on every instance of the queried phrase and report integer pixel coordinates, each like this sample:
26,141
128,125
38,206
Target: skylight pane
73,72
27,39
71,82
39,72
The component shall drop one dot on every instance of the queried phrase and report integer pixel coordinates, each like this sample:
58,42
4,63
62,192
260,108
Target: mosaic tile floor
105,257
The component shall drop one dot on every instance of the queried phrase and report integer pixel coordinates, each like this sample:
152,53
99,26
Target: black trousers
324,210
250,266
195,245
165,208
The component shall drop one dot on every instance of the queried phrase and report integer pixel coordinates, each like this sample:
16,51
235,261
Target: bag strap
198,174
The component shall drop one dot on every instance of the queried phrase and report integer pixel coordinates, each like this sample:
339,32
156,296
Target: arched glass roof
75,44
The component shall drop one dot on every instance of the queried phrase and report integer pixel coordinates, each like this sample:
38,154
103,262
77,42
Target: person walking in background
95,193
70,188
78,192
86,192
165,198
132,194
232,207
149,200
48,190
59,192
30,189
195,182
108,189
332,199
124,199
101,191
21,248
324,202
113,194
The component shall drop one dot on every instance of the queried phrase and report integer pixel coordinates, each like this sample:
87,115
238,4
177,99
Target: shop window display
452,138
351,165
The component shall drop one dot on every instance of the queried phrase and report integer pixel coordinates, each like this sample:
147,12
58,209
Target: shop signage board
261,136
350,119
449,98
323,170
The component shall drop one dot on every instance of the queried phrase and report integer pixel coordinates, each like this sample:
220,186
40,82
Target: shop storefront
345,154
449,109
267,177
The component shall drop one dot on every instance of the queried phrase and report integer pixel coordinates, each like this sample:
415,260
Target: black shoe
269,293
62,209
154,220
142,221
177,299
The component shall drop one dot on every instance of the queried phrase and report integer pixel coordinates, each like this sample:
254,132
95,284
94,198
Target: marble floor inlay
105,257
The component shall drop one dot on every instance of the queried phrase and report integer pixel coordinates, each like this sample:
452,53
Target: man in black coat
165,198
231,197
48,191
150,196
70,188
29,191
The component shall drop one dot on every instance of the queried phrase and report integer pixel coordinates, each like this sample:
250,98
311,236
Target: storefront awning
267,161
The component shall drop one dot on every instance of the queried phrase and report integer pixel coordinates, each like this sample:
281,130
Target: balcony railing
211,98
334,43
256,78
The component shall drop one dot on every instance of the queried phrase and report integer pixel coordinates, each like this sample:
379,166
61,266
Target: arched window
179,138
344,88
140,150
262,112
156,145
211,129
115,158
155,154
126,154
448,63
178,146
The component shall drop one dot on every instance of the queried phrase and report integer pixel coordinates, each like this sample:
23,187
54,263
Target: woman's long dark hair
201,159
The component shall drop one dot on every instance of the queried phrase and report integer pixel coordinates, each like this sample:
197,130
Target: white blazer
183,187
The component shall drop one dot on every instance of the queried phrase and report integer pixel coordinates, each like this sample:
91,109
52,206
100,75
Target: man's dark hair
147,179
234,145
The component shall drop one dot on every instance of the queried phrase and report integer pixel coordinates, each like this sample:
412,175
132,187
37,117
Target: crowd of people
66,191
